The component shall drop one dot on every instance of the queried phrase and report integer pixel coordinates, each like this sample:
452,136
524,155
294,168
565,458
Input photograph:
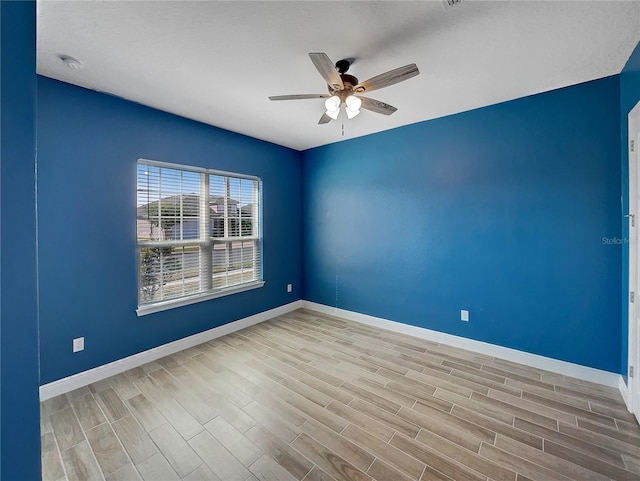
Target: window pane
249,261
247,208
217,194
216,186
168,204
235,257
217,226
168,273
234,226
246,225
234,196
234,263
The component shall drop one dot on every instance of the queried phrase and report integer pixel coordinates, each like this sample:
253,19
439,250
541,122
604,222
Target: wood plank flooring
316,398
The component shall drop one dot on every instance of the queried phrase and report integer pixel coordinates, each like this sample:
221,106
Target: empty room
319,241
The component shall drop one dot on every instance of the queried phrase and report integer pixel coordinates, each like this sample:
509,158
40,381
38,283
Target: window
198,234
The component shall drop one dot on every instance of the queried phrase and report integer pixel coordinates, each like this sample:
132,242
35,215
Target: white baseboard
84,378
624,391
540,362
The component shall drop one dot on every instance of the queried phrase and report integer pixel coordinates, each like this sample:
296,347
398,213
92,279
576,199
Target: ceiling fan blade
377,106
325,119
388,78
326,68
299,97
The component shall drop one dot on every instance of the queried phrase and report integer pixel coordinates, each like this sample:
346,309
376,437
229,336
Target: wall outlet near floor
289,287
464,315
78,344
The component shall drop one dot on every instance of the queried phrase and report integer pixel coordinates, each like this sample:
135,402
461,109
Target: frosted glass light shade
353,105
332,104
351,113
333,113
353,102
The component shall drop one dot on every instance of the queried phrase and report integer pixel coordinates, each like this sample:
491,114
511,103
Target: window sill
185,301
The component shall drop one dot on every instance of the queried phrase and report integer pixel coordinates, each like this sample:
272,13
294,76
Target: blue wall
19,413
501,211
88,144
629,97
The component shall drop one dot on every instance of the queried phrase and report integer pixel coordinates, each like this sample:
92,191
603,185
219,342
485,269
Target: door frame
633,356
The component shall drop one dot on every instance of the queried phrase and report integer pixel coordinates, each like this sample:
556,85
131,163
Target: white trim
76,381
204,296
548,364
192,168
632,393
624,392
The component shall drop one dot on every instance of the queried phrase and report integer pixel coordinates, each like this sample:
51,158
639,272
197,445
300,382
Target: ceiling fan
344,89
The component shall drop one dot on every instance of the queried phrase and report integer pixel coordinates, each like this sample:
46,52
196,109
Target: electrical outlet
464,315
289,287
78,344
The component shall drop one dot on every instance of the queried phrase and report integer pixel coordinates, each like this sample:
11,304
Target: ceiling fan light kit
344,87
351,106
332,114
351,113
332,104
353,103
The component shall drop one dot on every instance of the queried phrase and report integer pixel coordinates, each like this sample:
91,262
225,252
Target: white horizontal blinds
197,231
168,273
234,220
168,203
168,210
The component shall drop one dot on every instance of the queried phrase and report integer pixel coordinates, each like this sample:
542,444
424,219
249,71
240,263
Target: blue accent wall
19,412
88,144
510,211
629,97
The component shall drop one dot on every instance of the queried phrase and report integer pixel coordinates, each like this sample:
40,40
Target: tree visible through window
198,232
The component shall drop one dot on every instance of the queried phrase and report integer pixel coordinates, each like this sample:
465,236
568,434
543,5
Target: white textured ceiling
217,62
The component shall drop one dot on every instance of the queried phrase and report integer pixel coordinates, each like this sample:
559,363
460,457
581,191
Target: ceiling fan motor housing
349,82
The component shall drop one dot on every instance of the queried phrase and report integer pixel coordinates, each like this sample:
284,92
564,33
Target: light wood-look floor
315,398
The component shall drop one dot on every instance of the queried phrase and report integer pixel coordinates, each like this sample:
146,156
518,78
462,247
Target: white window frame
205,242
